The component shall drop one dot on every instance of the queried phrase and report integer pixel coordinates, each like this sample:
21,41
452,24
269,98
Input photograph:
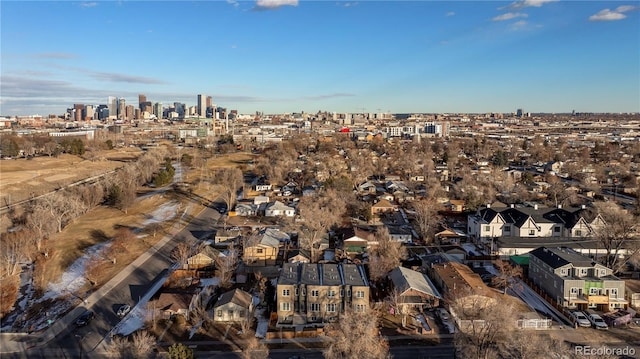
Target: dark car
84,319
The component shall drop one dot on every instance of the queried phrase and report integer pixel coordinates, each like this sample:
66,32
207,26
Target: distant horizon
286,56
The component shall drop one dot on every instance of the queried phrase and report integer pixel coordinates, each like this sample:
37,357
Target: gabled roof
405,279
174,301
236,296
277,205
209,251
559,257
276,234
383,203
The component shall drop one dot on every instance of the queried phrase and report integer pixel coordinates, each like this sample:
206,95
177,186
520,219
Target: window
613,292
349,293
219,314
487,228
285,306
332,293
314,307
304,292
286,292
507,228
331,307
341,293
315,293
603,272
578,232
593,291
296,292
574,290
242,313
359,294
563,271
532,232
230,314
360,308
259,250
583,271
556,229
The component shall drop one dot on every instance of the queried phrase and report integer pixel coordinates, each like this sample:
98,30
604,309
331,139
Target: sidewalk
20,342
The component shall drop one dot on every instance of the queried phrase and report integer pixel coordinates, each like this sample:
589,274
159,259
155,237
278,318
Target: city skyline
279,56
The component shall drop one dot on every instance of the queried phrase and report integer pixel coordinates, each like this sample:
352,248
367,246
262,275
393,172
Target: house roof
383,203
322,274
405,279
173,301
209,251
276,234
561,256
277,205
236,296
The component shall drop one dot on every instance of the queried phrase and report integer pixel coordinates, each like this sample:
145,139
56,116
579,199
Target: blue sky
282,56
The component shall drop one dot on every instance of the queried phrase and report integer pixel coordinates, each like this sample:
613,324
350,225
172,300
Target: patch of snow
136,318
263,323
163,213
422,320
205,282
471,247
74,277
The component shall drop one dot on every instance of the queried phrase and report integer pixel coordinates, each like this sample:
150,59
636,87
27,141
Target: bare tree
484,324
356,335
62,207
618,233
386,255
141,345
226,266
253,348
181,253
395,300
319,213
230,179
427,218
506,274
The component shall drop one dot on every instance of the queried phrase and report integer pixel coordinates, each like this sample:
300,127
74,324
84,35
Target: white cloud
509,16
519,24
526,3
451,13
611,15
274,4
233,2
88,4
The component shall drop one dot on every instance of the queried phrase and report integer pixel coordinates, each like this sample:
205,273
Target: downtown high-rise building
157,109
112,105
201,106
122,109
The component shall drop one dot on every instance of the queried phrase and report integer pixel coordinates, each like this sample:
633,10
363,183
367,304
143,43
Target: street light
81,339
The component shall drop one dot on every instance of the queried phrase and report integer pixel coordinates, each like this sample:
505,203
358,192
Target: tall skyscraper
77,112
201,106
209,101
122,109
141,100
112,105
157,109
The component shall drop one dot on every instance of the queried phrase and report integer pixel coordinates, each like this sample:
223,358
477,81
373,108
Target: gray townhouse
576,281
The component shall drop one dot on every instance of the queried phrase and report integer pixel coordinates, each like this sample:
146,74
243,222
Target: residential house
258,200
450,236
226,235
262,253
414,289
299,256
233,306
367,187
205,258
382,206
490,223
168,305
455,205
400,234
245,209
279,209
358,240
310,294
576,281
633,292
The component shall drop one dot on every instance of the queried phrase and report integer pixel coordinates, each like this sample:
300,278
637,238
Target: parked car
597,321
581,319
124,310
84,319
443,315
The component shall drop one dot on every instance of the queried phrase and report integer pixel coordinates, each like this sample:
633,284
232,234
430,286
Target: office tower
141,100
121,108
77,111
88,112
519,112
209,101
201,106
157,109
112,105
103,112
129,112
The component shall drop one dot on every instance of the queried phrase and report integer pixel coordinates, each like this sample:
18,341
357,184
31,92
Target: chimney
559,206
512,205
488,205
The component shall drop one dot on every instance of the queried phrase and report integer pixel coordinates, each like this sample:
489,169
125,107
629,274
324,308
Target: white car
581,319
598,322
123,310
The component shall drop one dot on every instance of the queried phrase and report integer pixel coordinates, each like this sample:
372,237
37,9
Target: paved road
72,341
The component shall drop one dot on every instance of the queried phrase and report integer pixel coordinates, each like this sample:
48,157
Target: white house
279,209
233,306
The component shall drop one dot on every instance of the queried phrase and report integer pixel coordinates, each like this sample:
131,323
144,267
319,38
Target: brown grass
67,246
8,293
